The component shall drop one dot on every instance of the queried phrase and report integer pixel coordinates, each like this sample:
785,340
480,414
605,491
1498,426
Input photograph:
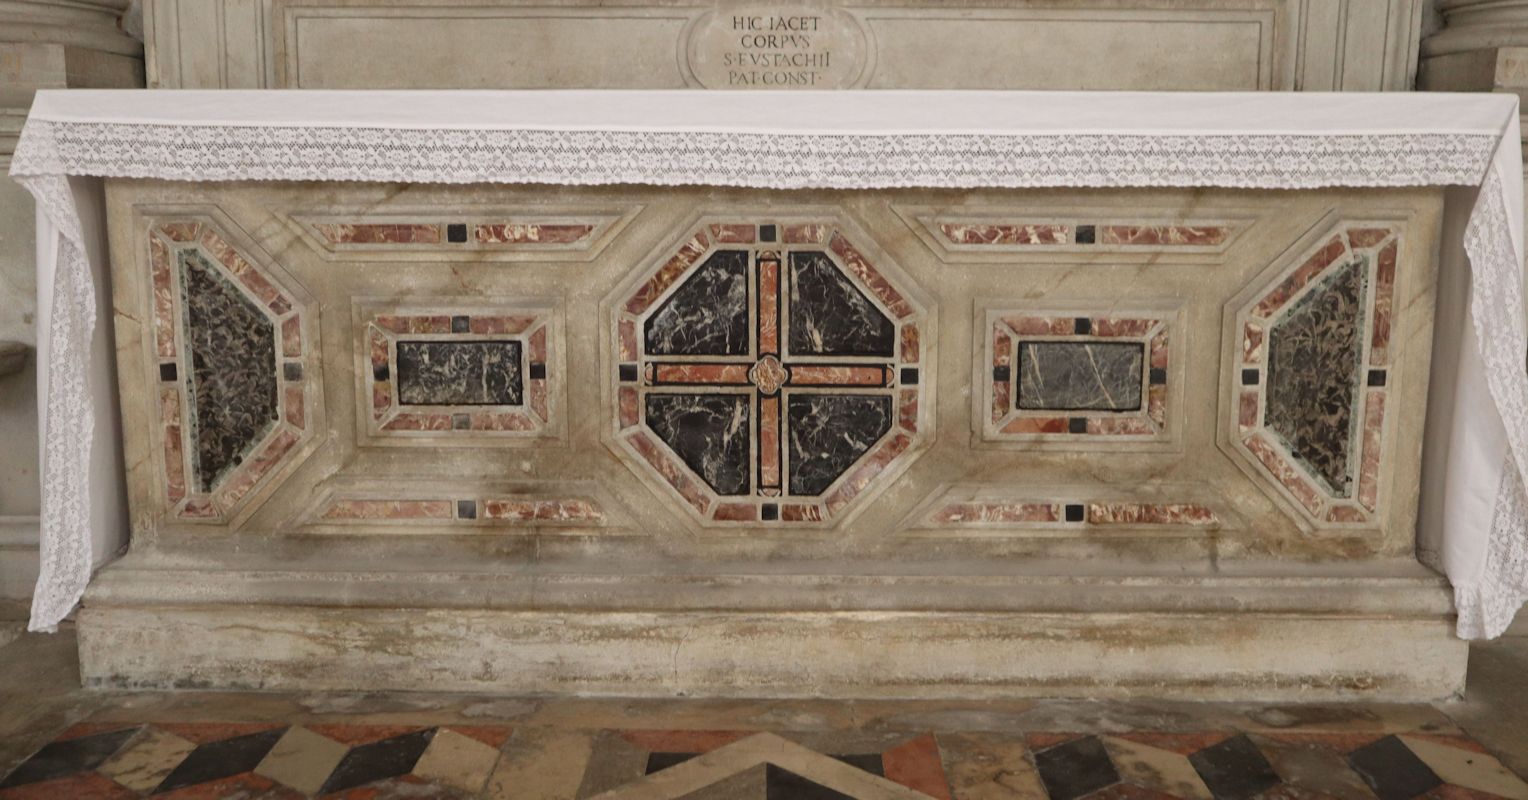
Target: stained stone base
1303,635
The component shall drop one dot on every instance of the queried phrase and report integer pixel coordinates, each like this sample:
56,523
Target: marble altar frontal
709,441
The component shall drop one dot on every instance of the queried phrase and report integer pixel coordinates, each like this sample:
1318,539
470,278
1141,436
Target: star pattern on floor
277,761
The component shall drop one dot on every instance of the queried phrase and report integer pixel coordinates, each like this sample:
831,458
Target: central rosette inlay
767,372
769,375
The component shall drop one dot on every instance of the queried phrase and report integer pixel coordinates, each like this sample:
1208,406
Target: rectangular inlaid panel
459,373
1080,376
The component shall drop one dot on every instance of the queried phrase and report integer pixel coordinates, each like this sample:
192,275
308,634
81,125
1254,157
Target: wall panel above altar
1227,45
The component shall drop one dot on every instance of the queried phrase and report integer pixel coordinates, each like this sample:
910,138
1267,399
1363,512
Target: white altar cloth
1474,521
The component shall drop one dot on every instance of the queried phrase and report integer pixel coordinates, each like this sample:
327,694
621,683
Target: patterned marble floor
1272,760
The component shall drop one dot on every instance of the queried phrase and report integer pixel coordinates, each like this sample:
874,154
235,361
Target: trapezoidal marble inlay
574,233
768,372
459,371
236,389
1058,378
1310,377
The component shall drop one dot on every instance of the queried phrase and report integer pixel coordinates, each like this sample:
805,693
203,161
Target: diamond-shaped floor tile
81,786
457,761
302,760
1468,768
221,759
69,757
1314,767
1234,769
1392,770
147,760
1154,768
387,758
1075,768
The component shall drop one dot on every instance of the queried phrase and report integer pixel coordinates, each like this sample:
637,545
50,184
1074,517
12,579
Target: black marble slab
470,373
1080,376
1314,363
829,432
829,315
232,381
707,314
711,433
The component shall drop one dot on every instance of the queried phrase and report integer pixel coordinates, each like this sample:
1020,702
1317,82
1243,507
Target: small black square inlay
1074,512
292,370
167,371
460,324
380,373
767,233
466,509
909,376
628,372
770,511
1376,377
1001,374
456,233
461,422
1158,376
1085,234
1082,326
538,371
1077,425
1249,377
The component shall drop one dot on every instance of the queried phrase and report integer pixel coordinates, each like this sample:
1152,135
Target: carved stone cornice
1478,25
90,24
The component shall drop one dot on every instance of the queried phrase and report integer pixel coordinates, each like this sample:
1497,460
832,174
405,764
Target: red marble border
378,233
1018,233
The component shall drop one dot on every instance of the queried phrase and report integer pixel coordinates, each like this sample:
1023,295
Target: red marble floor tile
916,765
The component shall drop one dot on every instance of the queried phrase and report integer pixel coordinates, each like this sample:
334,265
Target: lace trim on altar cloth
1486,608
758,160
49,151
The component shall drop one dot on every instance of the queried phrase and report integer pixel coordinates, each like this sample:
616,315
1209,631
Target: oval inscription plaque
776,47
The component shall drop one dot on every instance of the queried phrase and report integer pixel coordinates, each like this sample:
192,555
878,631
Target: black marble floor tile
1076,768
1392,770
782,784
1234,769
68,757
221,759
387,758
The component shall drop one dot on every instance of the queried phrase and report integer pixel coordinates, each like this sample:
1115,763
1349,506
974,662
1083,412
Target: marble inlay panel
1073,376
707,314
458,370
1063,379
777,375
233,369
1159,510
709,432
499,235
1310,377
985,234
1314,357
459,373
232,382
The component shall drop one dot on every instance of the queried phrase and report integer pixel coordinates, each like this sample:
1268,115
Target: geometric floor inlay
213,761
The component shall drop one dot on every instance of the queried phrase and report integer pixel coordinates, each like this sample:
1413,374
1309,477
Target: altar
654,393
